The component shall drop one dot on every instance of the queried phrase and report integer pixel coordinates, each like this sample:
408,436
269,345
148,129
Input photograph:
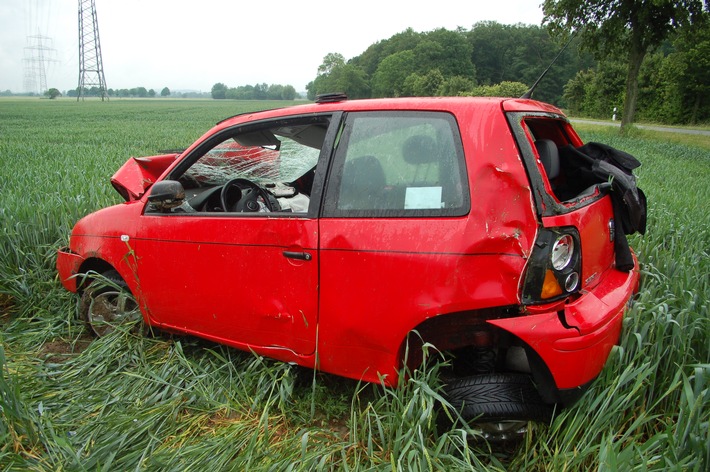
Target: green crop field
128,402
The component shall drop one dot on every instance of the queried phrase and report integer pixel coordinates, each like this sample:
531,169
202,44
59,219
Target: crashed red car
343,235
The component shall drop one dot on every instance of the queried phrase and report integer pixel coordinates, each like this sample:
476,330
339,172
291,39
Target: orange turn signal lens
550,287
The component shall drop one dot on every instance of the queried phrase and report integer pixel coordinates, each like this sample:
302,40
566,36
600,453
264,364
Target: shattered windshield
259,164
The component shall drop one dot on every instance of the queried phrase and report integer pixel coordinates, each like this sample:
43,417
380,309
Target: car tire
497,399
106,303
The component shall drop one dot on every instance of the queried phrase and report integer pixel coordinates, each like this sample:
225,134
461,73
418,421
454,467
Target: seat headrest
420,150
364,173
549,156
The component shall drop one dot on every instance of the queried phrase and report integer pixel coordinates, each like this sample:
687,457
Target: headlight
562,252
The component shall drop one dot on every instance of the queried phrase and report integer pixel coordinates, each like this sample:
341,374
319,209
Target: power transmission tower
37,54
91,68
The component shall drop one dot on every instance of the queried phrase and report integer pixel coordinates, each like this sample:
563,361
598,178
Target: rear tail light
572,281
562,252
553,270
550,286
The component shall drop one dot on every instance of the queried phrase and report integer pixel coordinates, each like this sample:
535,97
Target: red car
342,235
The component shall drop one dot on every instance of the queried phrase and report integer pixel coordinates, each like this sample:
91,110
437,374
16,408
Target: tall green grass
127,402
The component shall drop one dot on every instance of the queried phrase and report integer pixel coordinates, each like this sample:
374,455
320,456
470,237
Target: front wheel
107,303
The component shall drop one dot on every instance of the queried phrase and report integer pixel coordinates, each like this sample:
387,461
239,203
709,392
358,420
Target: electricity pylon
37,55
91,68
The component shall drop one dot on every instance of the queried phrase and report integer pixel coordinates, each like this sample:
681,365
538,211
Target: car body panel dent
409,289
494,167
238,258
576,353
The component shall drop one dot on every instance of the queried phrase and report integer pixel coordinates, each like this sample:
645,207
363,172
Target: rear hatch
575,244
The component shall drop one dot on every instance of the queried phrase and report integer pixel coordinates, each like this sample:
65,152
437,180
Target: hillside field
128,402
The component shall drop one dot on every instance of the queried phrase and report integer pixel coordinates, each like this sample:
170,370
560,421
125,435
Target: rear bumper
68,264
574,342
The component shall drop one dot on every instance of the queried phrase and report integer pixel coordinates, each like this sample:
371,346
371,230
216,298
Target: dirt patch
6,307
59,350
340,428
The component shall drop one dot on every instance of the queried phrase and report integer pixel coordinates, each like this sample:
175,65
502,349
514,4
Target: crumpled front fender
68,264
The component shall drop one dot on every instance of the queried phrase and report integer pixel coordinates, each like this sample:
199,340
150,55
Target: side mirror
166,194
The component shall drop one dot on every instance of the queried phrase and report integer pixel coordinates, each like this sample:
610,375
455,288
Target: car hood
136,176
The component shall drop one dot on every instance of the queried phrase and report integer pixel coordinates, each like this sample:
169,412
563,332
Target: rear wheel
108,303
499,405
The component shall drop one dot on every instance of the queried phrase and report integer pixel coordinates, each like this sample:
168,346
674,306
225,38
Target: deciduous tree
335,75
693,63
331,61
53,93
219,91
288,93
621,28
389,78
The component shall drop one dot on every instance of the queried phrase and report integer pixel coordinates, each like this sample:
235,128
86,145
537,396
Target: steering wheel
240,195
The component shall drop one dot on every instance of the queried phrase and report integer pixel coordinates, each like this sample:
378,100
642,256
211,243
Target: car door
241,277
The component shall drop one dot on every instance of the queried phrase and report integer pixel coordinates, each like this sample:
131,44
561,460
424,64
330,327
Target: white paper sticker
422,198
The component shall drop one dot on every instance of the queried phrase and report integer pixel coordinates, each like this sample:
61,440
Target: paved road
650,127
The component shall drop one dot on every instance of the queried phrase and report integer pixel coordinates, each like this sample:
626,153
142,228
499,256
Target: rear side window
394,164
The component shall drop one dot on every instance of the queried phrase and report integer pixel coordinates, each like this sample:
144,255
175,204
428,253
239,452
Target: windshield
260,164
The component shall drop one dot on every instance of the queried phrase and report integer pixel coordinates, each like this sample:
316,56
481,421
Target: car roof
450,104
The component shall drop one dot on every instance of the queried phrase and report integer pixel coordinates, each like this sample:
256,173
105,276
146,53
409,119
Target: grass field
124,402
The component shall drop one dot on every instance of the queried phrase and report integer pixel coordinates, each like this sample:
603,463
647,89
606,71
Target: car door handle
303,256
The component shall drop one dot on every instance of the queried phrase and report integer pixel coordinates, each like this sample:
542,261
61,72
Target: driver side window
253,170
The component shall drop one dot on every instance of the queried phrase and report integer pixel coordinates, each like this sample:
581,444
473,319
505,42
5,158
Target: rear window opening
565,172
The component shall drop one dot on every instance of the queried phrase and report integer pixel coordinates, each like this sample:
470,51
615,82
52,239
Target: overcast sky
193,45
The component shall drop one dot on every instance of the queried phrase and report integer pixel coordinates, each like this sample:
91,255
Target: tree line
673,83
504,60
135,92
491,58
261,91
444,62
